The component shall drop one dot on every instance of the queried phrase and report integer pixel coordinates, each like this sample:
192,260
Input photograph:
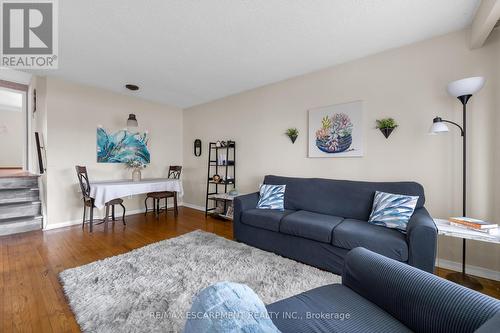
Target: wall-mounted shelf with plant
292,133
386,126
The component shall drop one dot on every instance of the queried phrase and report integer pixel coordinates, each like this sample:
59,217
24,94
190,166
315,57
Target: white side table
446,229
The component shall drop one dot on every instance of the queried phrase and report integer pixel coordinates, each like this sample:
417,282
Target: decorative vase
136,175
386,131
293,138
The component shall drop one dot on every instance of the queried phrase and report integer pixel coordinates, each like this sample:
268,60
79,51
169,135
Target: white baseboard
472,270
128,212
61,225
188,205
97,216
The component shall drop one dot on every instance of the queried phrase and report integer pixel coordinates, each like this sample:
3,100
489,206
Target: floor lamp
463,90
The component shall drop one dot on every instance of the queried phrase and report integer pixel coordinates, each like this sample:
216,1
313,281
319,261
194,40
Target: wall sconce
132,121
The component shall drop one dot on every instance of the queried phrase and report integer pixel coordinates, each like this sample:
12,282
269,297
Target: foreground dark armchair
379,294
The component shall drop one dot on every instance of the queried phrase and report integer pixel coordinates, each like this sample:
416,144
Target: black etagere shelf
218,203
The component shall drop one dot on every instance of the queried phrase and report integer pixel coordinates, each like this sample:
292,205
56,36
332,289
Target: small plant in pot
292,133
386,126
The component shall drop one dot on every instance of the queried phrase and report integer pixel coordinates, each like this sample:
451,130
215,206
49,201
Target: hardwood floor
32,299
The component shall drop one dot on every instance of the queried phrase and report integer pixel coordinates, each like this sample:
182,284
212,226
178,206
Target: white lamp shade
468,86
438,127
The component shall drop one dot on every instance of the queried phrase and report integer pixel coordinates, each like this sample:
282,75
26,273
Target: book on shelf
472,223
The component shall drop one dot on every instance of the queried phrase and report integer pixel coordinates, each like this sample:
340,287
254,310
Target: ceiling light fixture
132,87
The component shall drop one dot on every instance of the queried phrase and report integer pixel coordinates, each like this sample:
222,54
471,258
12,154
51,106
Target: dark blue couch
378,294
324,219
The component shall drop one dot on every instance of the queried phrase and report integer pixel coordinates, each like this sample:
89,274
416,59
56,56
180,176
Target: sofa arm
245,202
421,236
240,204
420,300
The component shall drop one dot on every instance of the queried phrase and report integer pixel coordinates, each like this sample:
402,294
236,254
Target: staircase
20,205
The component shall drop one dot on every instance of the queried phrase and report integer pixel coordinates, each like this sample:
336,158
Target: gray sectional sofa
324,219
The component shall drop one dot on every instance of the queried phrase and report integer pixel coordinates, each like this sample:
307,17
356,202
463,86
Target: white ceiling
187,52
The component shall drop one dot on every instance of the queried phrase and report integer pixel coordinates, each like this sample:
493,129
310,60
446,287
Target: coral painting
336,131
122,146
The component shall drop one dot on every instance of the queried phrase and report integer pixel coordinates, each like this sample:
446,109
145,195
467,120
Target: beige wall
11,138
496,125
408,84
73,113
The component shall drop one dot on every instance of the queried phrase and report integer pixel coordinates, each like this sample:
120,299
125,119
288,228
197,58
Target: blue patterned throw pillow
272,197
392,210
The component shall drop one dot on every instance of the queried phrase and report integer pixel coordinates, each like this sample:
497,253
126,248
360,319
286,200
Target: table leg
461,277
176,211
106,218
91,218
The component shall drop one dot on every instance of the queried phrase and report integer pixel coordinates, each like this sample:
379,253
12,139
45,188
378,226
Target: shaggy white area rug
150,289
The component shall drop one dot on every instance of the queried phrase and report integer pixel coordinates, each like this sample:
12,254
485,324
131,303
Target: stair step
14,226
18,182
19,195
8,211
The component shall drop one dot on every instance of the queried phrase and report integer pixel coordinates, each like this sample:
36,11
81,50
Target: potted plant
386,126
292,133
136,164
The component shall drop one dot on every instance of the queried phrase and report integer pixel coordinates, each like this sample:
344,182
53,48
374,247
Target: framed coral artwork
336,130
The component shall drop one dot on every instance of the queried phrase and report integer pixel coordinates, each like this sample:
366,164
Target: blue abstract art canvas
122,146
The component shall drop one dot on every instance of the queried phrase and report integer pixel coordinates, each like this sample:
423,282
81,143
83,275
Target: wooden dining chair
88,201
174,172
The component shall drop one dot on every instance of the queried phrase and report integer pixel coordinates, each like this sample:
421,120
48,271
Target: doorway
13,127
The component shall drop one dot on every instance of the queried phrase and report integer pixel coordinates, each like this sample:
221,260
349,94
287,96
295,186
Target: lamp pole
464,99
461,277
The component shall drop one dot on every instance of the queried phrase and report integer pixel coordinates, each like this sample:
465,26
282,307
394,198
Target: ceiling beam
487,16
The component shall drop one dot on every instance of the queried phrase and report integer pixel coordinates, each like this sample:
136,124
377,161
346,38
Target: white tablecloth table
105,191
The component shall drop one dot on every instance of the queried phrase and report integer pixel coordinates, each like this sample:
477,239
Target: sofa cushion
355,233
268,219
350,199
331,308
310,225
272,197
392,210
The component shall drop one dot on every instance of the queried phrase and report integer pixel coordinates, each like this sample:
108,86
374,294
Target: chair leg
146,205
166,205
84,213
176,210
113,212
123,217
91,218
106,218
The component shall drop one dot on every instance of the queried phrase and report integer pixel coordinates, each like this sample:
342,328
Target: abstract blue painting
122,146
